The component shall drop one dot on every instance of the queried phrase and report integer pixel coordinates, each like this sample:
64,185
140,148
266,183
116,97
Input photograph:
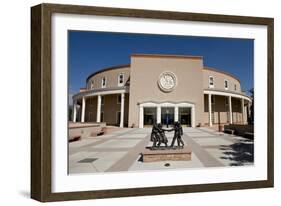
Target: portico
245,103
82,98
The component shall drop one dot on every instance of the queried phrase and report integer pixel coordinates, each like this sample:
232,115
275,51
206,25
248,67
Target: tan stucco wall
91,109
126,110
84,131
110,109
219,78
111,77
144,75
236,110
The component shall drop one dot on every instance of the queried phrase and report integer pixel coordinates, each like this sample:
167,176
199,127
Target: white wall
15,101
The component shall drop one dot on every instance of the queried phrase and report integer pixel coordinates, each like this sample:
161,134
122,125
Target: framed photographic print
130,102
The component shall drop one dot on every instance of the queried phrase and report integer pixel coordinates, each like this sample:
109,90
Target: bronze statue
158,136
177,136
155,137
163,138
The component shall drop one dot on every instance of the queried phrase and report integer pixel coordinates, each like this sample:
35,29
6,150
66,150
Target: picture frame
41,101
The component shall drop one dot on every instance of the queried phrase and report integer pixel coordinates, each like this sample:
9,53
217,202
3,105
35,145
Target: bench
229,131
249,135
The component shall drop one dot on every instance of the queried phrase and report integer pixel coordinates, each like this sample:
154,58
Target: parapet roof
164,56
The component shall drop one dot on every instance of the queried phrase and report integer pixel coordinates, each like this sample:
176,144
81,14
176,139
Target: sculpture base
178,154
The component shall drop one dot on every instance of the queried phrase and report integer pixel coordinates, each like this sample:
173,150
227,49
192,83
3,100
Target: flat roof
161,56
166,56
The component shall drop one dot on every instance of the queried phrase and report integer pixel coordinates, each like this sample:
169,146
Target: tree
251,116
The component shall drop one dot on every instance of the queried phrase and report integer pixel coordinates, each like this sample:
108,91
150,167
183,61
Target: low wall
84,130
240,129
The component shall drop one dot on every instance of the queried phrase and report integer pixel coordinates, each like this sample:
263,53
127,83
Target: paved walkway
120,151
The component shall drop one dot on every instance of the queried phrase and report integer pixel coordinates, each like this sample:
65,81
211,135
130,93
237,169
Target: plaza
159,89
121,150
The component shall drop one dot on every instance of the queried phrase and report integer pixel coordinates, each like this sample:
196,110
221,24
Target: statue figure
177,135
163,138
154,135
158,136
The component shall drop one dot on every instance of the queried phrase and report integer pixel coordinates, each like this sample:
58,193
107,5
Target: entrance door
149,115
185,116
167,115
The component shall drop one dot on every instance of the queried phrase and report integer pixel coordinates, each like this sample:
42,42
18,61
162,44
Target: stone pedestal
183,154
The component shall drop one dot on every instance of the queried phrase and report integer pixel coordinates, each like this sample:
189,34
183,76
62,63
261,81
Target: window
120,80
211,82
103,82
118,98
102,100
225,84
92,84
226,101
235,88
212,99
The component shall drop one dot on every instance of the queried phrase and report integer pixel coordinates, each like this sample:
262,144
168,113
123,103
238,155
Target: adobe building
161,89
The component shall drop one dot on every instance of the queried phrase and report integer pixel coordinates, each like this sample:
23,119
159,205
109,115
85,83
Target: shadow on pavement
240,153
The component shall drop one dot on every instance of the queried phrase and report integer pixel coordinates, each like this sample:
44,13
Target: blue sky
92,51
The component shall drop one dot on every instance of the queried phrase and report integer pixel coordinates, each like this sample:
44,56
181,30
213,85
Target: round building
162,89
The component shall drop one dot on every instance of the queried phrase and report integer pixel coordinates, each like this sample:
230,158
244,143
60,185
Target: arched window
121,80
103,82
211,82
225,84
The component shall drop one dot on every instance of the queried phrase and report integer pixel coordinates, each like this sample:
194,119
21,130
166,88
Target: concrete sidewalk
120,151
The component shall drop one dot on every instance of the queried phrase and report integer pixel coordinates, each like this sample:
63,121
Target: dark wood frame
41,101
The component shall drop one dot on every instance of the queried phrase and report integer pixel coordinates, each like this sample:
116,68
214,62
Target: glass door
185,116
167,116
149,115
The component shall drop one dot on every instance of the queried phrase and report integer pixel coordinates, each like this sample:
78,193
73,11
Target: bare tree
251,117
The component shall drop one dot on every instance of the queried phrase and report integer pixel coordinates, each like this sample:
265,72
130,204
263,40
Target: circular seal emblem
167,81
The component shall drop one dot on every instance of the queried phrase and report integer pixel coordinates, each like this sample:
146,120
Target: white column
248,112
230,109
193,116
158,114
83,110
141,117
176,114
246,116
122,110
243,111
98,108
210,109
74,110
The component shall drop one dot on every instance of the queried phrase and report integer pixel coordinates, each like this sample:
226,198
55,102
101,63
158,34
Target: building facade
161,89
